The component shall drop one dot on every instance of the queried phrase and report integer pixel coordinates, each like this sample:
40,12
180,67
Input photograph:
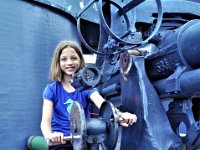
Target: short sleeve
48,93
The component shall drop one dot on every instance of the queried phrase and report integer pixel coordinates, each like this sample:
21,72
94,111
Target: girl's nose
69,61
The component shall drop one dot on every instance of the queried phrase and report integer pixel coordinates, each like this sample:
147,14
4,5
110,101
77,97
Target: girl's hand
55,138
128,118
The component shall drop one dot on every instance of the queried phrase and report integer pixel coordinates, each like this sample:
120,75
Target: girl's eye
74,58
63,59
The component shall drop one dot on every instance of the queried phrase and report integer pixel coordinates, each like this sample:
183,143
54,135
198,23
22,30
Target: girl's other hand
55,138
128,119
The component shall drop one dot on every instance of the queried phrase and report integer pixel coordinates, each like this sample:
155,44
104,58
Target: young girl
60,95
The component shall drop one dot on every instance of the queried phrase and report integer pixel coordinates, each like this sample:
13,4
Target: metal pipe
68,138
37,143
179,47
189,84
111,90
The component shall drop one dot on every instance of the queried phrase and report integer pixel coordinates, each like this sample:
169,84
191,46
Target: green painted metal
37,143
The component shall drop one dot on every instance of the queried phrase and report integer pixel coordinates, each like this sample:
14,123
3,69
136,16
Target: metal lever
68,138
119,120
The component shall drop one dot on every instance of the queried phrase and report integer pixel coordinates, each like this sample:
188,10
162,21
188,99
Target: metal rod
119,120
86,7
68,138
129,6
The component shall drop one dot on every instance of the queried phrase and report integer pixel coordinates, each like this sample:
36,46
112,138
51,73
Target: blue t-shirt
62,104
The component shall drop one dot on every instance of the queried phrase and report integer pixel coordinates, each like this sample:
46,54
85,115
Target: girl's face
69,61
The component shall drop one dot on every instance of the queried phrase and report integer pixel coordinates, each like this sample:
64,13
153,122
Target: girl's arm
129,118
51,138
46,117
97,99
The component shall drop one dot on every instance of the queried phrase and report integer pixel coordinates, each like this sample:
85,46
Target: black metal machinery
94,132
161,85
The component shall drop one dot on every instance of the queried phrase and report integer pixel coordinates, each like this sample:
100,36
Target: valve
91,133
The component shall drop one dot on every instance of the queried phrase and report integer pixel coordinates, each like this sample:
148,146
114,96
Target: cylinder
95,126
189,43
37,143
111,89
188,82
179,47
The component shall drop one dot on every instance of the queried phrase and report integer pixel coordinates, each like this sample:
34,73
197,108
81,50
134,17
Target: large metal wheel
109,115
78,127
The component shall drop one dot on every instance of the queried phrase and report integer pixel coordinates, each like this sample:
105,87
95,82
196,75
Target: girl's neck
67,85
66,82
67,79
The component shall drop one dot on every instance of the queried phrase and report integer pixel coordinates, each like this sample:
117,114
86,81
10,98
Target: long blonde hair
55,70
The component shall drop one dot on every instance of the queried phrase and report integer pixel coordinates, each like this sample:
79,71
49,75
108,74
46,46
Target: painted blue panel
29,33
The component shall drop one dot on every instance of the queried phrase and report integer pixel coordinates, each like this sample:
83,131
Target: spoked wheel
122,12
